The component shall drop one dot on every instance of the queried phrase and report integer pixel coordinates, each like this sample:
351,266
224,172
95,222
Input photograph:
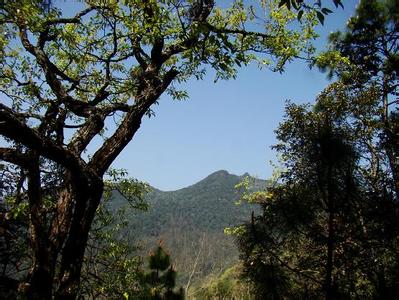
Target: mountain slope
208,205
190,221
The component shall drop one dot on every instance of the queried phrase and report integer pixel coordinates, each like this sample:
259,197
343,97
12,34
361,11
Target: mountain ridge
191,222
220,172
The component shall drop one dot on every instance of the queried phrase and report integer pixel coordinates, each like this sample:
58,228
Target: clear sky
225,125
228,125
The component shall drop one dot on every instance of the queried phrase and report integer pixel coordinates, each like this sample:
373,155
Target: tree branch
79,108
15,157
151,89
12,127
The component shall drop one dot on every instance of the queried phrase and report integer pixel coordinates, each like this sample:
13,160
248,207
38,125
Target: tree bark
330,253
74,249
39,280
391,140
330,199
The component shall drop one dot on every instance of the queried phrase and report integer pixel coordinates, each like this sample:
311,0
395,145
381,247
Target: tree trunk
391,139
40,278
390,143
330,253
75,245
329,196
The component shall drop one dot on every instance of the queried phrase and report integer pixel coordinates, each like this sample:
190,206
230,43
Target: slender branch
73,20
79,108
195,263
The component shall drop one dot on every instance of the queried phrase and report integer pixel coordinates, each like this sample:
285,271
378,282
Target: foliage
161,280
330,227
69,80
370,39
112,267
111,262
365,56
302,6
228,285
191,221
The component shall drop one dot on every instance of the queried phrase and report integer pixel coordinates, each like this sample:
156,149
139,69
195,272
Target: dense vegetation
330,229
190,223
65,77
71,226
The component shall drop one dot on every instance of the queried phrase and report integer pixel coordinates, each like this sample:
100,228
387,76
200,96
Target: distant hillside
191,222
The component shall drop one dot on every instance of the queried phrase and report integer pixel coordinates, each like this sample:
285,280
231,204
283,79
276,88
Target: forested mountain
191,223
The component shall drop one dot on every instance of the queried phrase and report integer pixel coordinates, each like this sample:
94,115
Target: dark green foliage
200,205
317,6
191,222
330,228
371,38
160,281
371,45
159,259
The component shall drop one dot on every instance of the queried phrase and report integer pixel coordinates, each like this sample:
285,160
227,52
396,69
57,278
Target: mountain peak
220,173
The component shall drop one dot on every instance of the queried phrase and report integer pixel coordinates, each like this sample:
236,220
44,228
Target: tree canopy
68,80
370,45
329,228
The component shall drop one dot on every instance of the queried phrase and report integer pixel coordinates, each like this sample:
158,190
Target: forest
76,85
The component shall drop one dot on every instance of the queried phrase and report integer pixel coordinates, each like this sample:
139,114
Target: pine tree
160,282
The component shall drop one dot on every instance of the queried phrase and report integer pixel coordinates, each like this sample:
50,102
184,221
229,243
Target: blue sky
228,125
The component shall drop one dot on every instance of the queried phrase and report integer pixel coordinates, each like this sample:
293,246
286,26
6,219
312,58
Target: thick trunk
76,207
40,278
40,281
75,245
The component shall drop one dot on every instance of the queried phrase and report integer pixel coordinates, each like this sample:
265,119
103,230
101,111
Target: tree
329,227
320,181
371,45
160,282
112,268
63,80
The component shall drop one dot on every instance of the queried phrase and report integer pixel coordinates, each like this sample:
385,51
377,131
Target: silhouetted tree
371,43
330,226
